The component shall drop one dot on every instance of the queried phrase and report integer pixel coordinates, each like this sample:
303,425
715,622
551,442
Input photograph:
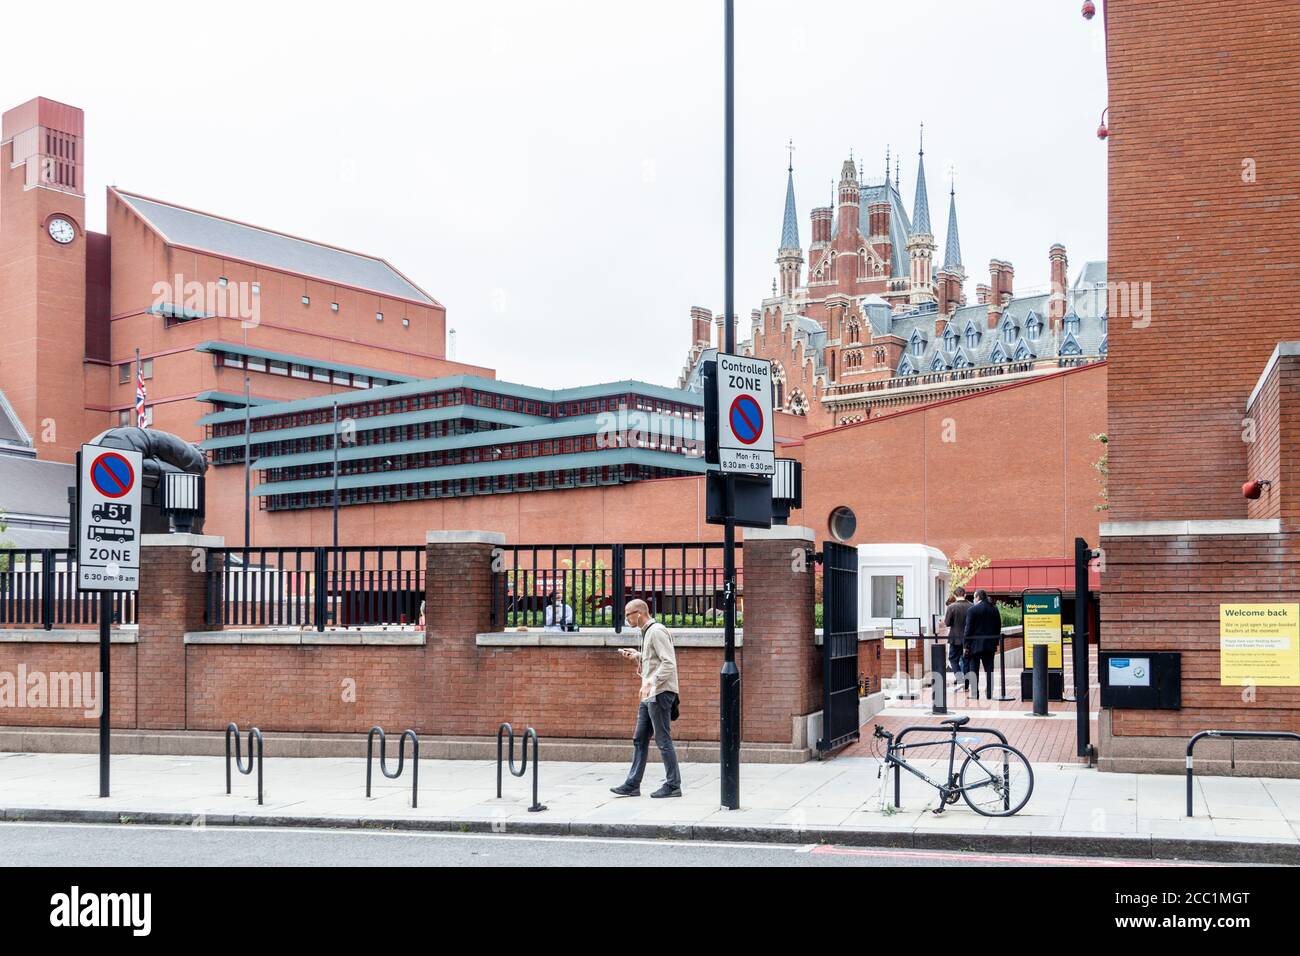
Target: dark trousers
955,653
654,715
981,660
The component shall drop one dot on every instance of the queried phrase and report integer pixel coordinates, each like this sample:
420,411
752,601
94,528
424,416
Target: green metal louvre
654,423
420,386
516,466
228,397
235,349
370,423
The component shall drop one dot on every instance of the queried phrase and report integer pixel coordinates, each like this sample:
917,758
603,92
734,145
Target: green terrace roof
420,386
651,423
447,412
237,349
589,459
229,398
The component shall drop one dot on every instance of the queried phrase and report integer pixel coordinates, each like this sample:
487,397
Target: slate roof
225,237
1085,306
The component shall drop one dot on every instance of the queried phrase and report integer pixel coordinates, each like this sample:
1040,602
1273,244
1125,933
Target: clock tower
43,365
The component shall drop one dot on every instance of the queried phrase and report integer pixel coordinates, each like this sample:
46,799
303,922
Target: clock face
62,231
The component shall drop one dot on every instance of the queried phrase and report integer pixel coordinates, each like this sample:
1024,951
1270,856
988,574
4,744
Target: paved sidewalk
1073,809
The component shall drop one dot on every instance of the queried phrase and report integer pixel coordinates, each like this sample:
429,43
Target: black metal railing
314,587
560,586
38,588
401,760
529,734
254,737
1233,735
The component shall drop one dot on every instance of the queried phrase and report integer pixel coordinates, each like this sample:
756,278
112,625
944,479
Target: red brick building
1205,228
209,302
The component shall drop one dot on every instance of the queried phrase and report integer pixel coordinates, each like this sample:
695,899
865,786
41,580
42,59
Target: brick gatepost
170,603
780,665
457,607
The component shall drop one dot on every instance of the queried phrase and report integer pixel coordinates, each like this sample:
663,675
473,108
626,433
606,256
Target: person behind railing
983,628
657,665
954,619
558,615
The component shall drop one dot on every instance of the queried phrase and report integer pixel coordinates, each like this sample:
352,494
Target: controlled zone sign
108,530
745,442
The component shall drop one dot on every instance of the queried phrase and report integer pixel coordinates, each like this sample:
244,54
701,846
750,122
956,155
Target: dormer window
1033,327
1072,324
918,344
972,337
949,339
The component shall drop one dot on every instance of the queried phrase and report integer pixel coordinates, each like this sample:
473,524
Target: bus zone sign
108,504
745,443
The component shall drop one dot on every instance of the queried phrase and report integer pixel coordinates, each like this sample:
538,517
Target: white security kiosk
901,581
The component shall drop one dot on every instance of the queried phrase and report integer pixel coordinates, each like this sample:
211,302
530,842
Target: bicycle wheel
996,780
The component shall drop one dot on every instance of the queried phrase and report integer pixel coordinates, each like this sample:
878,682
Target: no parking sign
745,443
108,501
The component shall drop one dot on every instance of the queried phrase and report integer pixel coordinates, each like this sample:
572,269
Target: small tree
1102,465
960,575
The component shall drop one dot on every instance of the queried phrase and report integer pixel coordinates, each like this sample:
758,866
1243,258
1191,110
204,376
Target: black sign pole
730,676
105,632
1082,556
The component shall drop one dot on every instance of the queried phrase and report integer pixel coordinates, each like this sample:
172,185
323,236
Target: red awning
1012,577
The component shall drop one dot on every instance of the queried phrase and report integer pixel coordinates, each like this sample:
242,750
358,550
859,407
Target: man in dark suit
983,628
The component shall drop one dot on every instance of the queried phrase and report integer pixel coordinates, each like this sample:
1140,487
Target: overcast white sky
552,171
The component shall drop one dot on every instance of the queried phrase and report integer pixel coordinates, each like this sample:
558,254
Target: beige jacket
658,659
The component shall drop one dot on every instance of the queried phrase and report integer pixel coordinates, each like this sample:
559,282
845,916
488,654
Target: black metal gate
839,646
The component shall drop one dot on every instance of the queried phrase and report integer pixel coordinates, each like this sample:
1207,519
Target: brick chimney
701,319
720,321
1060,269
1001,276
982,294
941,285
821,224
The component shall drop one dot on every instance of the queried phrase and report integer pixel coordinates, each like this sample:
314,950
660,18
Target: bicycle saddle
956,721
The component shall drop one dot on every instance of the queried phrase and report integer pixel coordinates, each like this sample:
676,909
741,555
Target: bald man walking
657,664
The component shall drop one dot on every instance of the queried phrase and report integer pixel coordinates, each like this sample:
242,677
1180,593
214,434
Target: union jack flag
141,393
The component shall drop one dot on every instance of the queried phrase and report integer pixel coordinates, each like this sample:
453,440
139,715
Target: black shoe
626,790
667,791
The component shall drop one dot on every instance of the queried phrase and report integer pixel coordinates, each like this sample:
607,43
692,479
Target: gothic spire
952,251
790,224
921,209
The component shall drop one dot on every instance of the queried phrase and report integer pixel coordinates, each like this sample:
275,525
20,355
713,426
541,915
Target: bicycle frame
945,789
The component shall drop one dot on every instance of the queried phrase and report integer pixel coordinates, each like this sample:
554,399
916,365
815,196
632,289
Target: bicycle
995,780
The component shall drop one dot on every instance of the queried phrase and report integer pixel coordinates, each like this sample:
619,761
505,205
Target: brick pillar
780,669
457,608
170,603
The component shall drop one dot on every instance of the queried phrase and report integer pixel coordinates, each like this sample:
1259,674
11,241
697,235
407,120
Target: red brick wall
1197,89
1264,454
1007,473
1163,593
325,689
81,658
783,679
